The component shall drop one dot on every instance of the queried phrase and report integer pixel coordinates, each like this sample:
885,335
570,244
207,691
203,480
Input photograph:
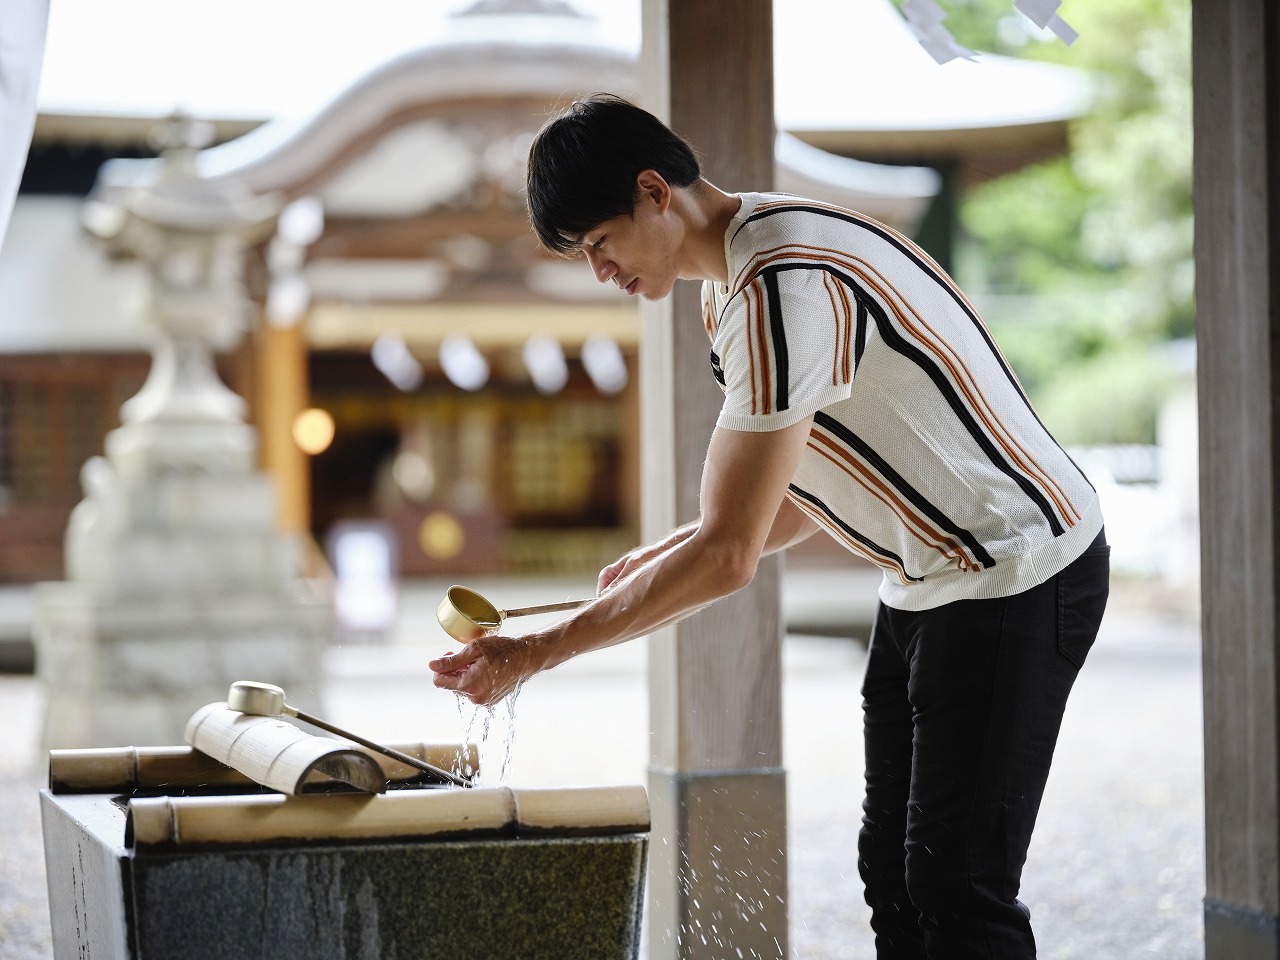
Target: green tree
1083,265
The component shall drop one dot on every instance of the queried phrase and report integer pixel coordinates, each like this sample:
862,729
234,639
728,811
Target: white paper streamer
1044,13
22,35
925,17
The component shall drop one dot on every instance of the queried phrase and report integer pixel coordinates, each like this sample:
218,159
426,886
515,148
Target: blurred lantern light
441,536
313,431
287,300
302,221
392,357
605,365
462,363
544,359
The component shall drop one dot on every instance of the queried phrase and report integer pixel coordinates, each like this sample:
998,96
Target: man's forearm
671,540
790,526
690,574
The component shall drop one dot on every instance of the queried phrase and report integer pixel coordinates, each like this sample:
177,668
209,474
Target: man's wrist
547,649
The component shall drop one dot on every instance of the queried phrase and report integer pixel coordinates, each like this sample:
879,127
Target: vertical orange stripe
850,311
766,381
835,312
821,520
862,475
996,428
967,384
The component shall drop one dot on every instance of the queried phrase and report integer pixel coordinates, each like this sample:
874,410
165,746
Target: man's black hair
583,166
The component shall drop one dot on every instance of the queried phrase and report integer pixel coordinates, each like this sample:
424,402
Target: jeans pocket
1082,598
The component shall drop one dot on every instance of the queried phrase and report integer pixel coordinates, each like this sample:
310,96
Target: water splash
486,716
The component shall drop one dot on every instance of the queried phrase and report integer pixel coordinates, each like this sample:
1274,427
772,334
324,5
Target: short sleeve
784,348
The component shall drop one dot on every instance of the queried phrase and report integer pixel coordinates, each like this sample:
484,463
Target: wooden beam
718,875
332,326
1236,65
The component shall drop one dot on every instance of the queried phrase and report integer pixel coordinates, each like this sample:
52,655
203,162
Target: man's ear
653,187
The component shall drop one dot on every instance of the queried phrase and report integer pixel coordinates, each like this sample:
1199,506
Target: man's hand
487,669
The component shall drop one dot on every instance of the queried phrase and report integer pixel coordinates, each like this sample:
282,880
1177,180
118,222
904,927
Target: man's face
638,253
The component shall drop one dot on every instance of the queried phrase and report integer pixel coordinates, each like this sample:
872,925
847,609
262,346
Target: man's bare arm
743,487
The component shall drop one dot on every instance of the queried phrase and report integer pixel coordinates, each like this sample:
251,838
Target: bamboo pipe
267,700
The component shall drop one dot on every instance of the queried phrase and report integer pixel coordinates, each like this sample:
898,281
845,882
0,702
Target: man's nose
601,266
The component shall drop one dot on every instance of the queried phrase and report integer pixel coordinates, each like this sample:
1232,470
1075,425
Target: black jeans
962,706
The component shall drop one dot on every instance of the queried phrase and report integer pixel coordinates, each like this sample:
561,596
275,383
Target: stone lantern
178,581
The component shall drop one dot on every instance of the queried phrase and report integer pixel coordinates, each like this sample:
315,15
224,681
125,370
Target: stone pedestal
179,581
124,669
179,585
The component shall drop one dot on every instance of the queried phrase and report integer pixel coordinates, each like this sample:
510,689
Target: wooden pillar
718,873
1236,66
631,459
282,393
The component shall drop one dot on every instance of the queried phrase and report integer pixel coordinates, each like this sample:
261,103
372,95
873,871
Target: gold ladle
466,616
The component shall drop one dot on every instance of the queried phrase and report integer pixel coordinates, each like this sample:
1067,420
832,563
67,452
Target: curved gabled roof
514,57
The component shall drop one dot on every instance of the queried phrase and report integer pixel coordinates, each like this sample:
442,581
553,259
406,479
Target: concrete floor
1115,872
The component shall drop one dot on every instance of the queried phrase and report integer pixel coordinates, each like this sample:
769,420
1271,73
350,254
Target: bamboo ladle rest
267,700
467,616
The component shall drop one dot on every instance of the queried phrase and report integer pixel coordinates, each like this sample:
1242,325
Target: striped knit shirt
925,456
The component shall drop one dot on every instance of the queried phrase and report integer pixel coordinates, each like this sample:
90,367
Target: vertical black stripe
899,483
895,341
716,370
778,333
893,239
860,338
933,274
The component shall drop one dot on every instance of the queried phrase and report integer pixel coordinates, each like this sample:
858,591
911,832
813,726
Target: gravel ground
1116,871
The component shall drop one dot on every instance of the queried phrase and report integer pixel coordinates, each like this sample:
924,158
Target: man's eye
596,245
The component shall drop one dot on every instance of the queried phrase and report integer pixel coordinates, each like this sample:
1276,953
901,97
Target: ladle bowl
256,699
465,615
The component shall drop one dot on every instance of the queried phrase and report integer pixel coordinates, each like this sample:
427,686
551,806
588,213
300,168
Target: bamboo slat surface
122,769
266,818
275,753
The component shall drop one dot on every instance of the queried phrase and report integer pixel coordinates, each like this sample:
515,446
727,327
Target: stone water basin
164,852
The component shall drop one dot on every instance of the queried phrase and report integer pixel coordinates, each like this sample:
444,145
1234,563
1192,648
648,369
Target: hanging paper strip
1044,13
925,17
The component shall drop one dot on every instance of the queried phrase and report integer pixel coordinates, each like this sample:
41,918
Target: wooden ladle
465,615
267,700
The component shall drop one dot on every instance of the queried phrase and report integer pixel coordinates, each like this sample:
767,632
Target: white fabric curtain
22,31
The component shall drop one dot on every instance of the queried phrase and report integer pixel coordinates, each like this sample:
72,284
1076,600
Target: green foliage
1112,397
1083,265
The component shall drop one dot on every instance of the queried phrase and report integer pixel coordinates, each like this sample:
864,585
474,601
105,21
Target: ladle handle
544,608
388,751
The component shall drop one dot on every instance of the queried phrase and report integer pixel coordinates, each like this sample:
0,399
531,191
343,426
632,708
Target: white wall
58,291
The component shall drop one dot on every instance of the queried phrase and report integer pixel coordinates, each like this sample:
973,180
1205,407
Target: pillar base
1240,933
718,864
